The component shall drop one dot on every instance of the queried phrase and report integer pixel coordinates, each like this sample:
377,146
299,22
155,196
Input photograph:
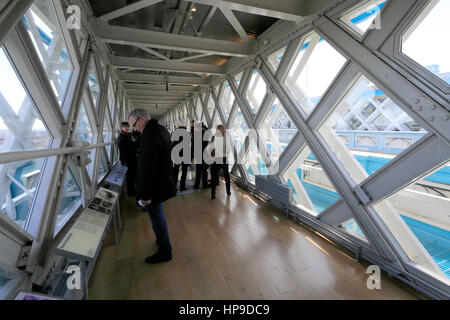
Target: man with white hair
155,179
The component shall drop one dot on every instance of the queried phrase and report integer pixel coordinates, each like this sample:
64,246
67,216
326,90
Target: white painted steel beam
137,77
170,41
129,9
407,166
153,52
158,87
12,14
234,23
145,100
169,66
292,10
156,93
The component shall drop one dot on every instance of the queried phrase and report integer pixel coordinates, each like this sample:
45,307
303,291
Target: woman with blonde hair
220,160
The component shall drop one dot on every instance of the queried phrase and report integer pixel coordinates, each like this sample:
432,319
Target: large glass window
4,278
254,163
256,91
314,69
277,130
211,105
103,70
94,86
239,130
426,41
204,119
198,108
70,201
107,133
20,129
227,100
102,169
418,217
84,132
19,182
367,130
238,78
215,120
313,192
275,58
364,17
352,227
111,97
45,31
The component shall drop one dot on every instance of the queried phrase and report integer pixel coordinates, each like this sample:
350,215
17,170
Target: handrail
34,154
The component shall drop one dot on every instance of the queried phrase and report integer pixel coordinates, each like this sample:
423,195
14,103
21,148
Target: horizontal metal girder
129,9
156,102
137,99
152,105
169,66
156,93
135,77
170,41
158,87
291,10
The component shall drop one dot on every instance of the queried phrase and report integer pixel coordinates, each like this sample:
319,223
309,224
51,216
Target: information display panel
85,237
117,175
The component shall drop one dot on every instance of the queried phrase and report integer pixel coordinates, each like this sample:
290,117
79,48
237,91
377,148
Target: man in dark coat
201,168
155,180
184,166
127,149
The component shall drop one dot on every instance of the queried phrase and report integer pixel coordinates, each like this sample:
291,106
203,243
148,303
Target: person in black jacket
201,168
184,166
155,180
220,152
127,149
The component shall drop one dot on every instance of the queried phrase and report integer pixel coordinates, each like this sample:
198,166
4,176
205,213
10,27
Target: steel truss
60,121
377,56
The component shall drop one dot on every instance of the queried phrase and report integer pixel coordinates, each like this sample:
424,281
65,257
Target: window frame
37,99
393,49
60,226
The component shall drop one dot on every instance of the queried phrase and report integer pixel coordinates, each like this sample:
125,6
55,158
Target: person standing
201,168
220,151
184,166
127,149
155,181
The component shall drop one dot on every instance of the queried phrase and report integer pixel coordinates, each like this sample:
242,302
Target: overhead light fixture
193,8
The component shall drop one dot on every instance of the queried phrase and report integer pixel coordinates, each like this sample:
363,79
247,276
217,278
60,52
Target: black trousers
215,169
201,173
184,169
131,178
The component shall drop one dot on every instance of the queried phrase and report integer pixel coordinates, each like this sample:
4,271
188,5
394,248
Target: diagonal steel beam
158,87
153,52
169,66
135,77
156,93
161,40
207,20
11,14
129,9
192,57
234,23
291,10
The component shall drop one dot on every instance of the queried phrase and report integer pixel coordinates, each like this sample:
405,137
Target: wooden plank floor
230,248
